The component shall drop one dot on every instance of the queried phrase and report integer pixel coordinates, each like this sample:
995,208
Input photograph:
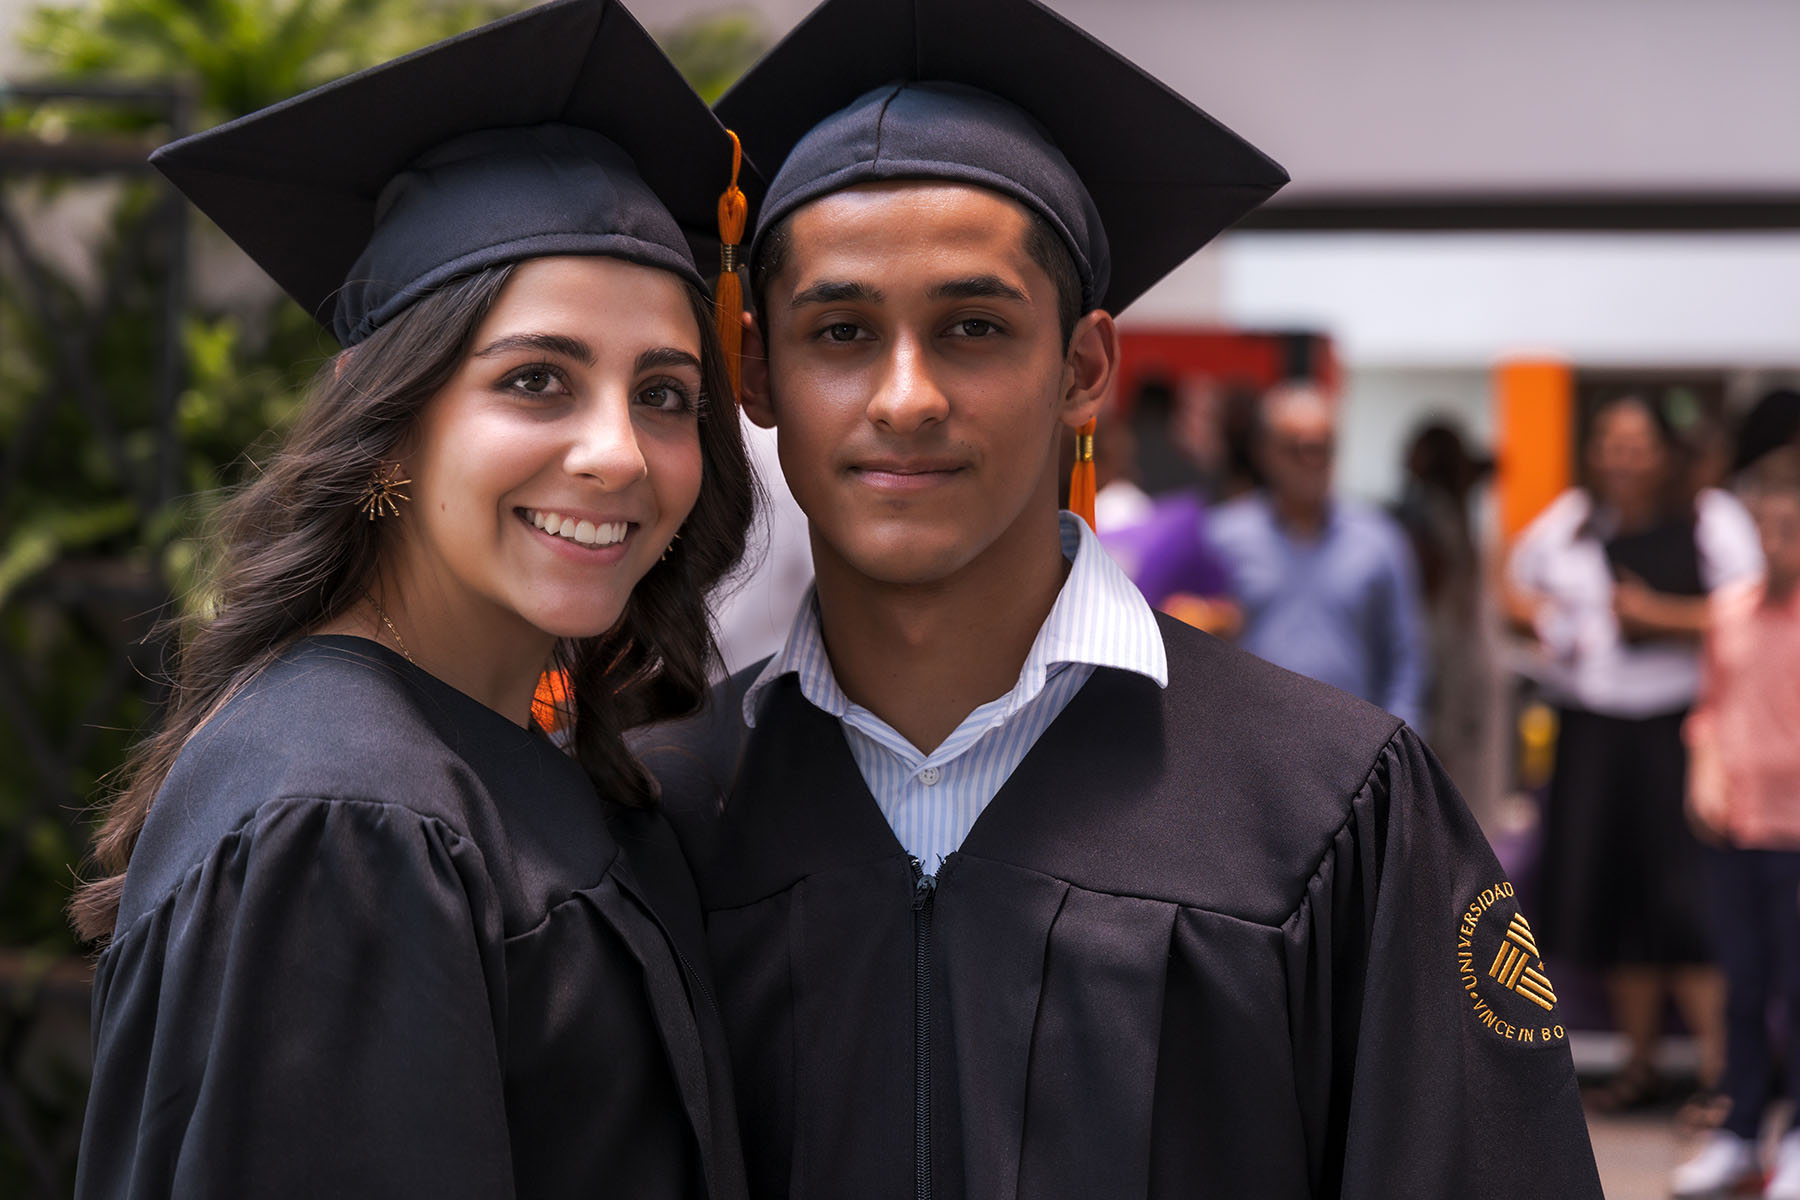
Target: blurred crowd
1648,615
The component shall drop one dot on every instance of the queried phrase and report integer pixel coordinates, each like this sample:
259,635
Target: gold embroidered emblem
1512,966
1494,932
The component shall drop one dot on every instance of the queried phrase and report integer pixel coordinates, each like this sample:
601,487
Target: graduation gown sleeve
310,1012
1430,1056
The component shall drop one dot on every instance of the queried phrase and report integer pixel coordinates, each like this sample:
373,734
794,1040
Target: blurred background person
1161,419
1161,542
1744,747
1327,586
1464,721
1708,440
1238,469
1611,581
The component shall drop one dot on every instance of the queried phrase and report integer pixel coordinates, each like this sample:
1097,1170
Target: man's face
1297,450
917,377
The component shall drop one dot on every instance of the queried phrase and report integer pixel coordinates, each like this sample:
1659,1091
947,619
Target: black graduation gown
1236,938
378,941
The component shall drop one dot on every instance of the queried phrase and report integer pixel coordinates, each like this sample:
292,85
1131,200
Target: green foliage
713,49
84,531
240,54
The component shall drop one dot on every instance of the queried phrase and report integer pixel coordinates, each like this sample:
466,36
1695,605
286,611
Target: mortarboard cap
1008,95
563,129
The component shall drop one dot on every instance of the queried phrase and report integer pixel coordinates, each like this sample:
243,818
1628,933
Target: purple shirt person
1168,551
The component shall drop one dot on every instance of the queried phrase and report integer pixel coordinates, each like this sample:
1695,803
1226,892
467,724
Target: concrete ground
1637,1151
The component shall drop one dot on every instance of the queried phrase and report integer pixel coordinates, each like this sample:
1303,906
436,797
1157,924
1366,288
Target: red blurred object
1233,358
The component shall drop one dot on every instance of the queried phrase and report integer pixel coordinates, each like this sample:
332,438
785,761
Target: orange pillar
1534,403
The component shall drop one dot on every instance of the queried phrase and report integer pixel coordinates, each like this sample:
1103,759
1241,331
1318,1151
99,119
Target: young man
1012,887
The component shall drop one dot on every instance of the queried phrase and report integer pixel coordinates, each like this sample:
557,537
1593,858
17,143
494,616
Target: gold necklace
398,640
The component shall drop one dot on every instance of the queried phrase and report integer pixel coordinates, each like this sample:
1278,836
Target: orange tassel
554,701
1081,479
728,296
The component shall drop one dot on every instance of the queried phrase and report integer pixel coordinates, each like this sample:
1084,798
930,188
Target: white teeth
585,532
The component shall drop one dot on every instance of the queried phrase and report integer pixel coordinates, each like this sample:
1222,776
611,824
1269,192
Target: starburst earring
670,548
380,498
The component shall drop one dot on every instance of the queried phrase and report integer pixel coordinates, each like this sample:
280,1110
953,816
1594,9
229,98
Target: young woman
1611,580
369,930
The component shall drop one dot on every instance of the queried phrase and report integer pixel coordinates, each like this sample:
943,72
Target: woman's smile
583,532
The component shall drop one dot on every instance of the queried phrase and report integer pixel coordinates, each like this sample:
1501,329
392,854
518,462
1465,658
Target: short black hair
1043,245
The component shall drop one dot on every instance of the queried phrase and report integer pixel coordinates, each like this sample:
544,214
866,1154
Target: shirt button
930,776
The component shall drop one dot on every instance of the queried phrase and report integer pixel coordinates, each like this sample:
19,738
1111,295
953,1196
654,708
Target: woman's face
1626,459
553,469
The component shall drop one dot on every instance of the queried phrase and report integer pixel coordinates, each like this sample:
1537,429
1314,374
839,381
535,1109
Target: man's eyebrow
547,343
836,291
666,356
977,287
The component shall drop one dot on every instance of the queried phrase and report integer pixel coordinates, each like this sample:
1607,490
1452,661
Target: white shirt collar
1099,618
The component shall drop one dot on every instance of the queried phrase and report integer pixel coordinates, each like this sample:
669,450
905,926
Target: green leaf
34,546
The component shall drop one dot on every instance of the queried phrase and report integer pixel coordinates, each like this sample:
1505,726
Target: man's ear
756,376
1088,367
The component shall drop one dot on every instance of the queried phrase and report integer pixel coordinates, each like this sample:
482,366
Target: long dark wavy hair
292,550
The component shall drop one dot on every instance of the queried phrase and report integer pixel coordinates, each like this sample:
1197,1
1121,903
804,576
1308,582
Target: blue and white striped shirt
932,800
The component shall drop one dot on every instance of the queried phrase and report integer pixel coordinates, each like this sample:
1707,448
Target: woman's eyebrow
558,344
667,356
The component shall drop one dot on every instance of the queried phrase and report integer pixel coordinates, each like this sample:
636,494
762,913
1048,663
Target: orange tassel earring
1081,479
728,296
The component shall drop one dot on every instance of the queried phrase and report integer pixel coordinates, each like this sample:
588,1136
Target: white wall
1381,406
1438,299
1390,94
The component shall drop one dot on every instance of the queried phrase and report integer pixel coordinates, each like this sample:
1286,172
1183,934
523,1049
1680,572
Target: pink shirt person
1744,735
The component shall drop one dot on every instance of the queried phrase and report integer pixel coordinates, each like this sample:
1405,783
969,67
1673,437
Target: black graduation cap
1009,95
559,130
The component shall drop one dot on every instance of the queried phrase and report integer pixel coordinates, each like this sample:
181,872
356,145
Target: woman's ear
1088,366
756,376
